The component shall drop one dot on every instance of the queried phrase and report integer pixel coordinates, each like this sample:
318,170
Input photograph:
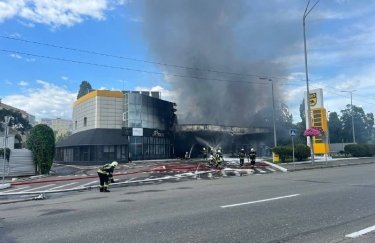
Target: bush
41,142
360,150
283,151
301,152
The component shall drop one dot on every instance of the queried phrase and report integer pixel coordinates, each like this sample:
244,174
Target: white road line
264,200
54,188
271,169
361,232
36,188
260,170
130,179
17,189
88,183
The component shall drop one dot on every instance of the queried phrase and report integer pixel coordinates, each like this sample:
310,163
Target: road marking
17,189
271,169
361,232
32,189
54,188
264,200
130,179
260,170
88,183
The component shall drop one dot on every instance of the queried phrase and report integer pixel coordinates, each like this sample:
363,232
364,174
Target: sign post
292,133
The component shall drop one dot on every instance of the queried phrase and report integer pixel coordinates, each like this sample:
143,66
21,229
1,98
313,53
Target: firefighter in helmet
204,153
105,174
242,155
252,156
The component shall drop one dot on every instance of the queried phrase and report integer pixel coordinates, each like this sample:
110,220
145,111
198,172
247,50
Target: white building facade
122,126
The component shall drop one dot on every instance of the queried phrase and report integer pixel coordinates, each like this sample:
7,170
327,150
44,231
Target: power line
137,60
157,73
126,68
150,62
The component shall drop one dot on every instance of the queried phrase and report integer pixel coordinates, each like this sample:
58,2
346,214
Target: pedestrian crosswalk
173,175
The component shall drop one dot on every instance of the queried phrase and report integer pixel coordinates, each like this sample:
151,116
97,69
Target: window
75,125
85,121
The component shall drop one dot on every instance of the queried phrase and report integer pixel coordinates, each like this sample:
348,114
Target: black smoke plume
222,35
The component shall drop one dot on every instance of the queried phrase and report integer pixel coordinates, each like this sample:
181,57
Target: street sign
292,132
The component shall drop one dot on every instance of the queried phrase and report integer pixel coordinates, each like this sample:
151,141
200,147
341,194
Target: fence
20,163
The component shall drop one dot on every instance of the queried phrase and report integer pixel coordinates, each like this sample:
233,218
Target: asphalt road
322,205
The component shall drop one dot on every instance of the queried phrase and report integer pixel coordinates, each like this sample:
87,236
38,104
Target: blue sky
341,47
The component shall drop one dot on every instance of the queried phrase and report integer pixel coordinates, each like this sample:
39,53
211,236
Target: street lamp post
351,110
273,111
6,131
308,118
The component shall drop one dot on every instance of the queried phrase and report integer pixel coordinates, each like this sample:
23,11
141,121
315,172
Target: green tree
84,88
334,128
301,126
284,122
369,127
18,122
62,137
41,141
359,117
18,141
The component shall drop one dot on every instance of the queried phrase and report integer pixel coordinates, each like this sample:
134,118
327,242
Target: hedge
360,150
301,152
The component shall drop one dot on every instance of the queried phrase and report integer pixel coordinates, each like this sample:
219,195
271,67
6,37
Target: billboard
318,120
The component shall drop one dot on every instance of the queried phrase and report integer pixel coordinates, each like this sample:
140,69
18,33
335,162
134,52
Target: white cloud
15,34
16,56
45,101
23,83
58,12
30,59
64,78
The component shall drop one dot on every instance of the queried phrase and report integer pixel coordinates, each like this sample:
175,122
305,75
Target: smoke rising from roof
225,35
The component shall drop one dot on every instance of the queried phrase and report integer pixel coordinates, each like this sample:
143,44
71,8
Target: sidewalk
60,172
329,163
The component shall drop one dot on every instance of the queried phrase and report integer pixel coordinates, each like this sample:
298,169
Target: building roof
98,136
95,93
12,108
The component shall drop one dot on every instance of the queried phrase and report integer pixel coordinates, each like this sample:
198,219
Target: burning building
193,138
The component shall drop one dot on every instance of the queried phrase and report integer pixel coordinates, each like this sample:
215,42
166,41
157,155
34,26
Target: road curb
276,166
329,166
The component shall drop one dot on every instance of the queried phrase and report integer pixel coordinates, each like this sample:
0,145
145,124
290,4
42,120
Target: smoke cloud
222,35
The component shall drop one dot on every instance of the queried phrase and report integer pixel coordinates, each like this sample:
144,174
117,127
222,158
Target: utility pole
273,111
308,118
351,110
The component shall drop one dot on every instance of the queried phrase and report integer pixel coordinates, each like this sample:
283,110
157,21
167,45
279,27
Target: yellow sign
319,120
313,99
275,157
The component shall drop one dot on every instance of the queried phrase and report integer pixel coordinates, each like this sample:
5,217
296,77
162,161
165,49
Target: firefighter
105,174
219,157
204,153
242,155
252,156
220,153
